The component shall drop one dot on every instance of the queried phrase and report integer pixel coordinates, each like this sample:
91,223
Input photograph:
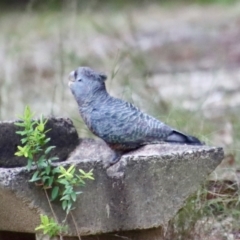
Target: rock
63,135
144,190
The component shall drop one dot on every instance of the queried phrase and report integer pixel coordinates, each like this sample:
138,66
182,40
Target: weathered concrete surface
145,189
63,135
148,234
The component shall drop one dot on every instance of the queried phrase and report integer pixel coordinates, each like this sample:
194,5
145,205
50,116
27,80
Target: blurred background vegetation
177,60
57,4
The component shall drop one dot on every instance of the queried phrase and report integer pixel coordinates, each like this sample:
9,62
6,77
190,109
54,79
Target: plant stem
53,213
75,224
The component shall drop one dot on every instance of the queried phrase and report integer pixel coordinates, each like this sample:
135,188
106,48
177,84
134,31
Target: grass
149,62
213,210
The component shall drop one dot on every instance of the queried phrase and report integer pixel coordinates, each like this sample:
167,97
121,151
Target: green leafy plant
61,182
33,140
50,227
69,180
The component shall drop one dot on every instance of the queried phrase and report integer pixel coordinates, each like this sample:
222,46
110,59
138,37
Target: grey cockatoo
120,124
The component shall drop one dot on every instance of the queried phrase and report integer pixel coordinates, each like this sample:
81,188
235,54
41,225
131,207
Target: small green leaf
19,154
45,178
29,164
55,170
74,196
35,177
21,124
46,140
68,174
82,172
40,227
86,175
63,181
66,197
49,149
40,127
48,169
21,132
53,158
55,192
24,140
79,192
28,114
64,205
44,219
71,169
50,181
69,206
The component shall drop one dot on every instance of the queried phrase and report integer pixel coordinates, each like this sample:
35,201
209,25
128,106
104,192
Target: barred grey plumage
119,123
